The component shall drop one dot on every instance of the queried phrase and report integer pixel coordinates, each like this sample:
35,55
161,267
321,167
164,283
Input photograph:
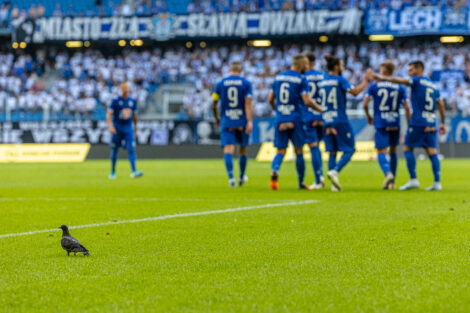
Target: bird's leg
75,254
68,253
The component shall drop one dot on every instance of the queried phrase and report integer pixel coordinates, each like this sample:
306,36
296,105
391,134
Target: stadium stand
31,8
81,84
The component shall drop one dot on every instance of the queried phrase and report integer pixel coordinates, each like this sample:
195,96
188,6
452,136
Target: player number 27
385,95
332,99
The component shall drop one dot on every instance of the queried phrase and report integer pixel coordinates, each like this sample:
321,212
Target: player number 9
232,94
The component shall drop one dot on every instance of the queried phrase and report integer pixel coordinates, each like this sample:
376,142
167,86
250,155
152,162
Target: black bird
71,244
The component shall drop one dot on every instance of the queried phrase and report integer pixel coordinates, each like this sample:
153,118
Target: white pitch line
99,199
165,217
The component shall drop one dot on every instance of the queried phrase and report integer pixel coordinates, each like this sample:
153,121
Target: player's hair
388,66
310,56
236,67
418,64
298,58
331,62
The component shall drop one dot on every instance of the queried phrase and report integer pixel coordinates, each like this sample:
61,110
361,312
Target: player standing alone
289,94
313,124
236,119
422,132
338,131
387,98
122,123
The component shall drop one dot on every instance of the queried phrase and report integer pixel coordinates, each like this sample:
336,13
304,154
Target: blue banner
418,21
459,130
167,26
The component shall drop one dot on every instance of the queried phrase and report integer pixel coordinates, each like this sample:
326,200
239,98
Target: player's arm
359,88
109,120
310,102
215,105
249,115
272,100
407,108
366,110
397,80
442,112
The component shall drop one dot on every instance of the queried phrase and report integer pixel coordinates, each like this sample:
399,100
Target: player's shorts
386,138
231,136
417,137
123,136
296,135
339,137
313,133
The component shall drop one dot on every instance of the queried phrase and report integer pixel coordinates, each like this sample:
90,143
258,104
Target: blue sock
436,167
384,164
345,158
332,161
242,160
300,166
411,163
317,163
394,163
132,157
277,161
228,159
114,157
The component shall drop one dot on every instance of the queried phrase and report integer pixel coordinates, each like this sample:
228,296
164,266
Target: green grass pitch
361,250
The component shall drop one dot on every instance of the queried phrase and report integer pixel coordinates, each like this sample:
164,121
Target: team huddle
310,106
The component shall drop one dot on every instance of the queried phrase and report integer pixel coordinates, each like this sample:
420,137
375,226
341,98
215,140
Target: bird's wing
69,243
78,247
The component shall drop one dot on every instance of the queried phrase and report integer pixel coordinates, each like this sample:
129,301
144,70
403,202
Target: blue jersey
232,92
424,96
332,91
288,88
123,112
387,99
313,78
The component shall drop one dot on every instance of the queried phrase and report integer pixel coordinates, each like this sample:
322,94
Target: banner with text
95,132
166,27
418,21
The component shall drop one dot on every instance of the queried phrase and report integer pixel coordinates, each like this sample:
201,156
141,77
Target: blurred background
61,61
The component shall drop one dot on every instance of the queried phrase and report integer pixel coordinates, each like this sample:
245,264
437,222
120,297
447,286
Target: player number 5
429,106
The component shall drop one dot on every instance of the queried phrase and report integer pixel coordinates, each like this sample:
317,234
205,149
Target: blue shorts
313,133
386,138
416,137
296,135
123,136
234,137
343,140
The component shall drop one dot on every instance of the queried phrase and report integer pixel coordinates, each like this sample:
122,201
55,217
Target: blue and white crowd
10,9
80,83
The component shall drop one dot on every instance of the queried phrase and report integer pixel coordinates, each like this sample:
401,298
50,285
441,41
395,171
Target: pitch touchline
111,199
165,217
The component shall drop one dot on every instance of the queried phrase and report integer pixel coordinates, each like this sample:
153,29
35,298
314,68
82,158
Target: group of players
310,106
